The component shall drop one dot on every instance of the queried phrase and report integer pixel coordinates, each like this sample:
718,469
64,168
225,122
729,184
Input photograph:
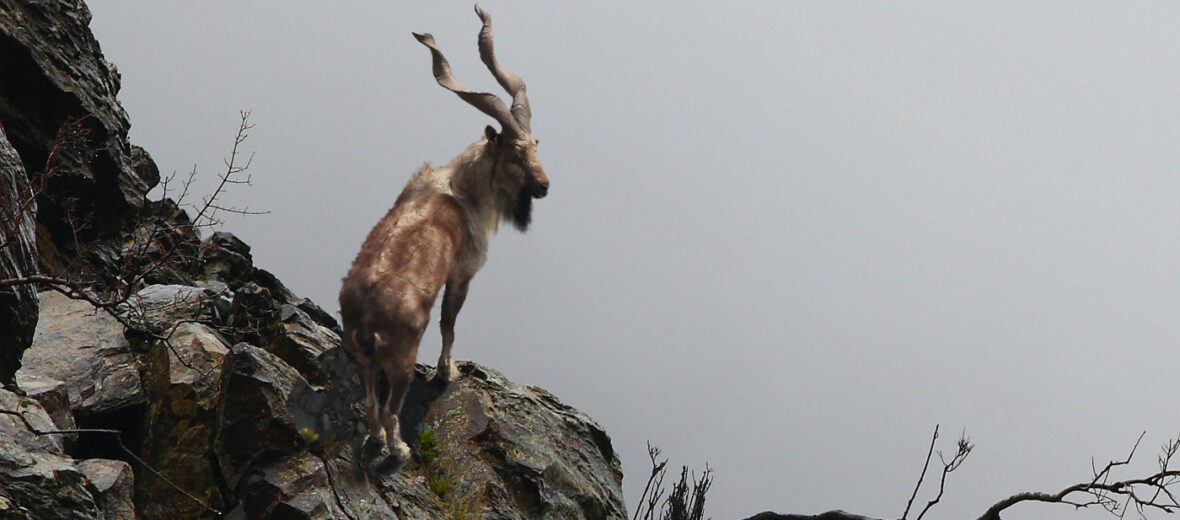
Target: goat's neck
471,182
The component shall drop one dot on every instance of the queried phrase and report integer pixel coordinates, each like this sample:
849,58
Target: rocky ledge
199,427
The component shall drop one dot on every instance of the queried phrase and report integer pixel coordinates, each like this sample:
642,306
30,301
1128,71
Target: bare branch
963,448
119,439
1116,497
922,476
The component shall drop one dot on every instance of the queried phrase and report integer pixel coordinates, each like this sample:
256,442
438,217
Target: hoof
373,454
377,458
393,461
388,466
445,373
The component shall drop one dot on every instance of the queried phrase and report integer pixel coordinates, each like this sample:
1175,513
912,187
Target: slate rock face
18,258
508,451
54,72
113,486
86,350
37,480
256,425
181,383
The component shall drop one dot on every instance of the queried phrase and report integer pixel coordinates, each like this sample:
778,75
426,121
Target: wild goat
437,233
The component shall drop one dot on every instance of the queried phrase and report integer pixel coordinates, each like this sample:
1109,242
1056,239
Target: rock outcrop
18,259
244,433
213,391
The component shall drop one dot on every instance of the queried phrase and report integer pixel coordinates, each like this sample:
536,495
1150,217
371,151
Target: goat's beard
522,214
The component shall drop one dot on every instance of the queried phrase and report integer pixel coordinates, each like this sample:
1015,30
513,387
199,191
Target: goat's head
517,169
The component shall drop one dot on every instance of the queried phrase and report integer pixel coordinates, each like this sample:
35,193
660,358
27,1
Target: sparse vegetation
684,502
427,445
439,487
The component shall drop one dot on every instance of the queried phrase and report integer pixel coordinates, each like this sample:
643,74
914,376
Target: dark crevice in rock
128,420
220,481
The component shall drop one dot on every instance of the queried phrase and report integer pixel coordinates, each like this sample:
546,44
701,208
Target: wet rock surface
85,349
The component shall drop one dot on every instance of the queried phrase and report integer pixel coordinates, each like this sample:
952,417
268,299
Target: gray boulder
181,380
85,349
113,484
491,448
55,398
37,481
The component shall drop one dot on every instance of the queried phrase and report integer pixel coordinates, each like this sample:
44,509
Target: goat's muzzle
539,189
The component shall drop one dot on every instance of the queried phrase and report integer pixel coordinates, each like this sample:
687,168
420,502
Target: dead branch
922,476
962,448
654,490
118,439
1150,492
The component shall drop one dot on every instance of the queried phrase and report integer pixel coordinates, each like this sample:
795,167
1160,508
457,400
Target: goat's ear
490,133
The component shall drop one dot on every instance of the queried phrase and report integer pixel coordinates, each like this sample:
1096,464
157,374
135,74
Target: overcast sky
783,238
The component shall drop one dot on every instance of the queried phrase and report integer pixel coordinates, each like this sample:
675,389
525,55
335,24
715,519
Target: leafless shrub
684,502
159,243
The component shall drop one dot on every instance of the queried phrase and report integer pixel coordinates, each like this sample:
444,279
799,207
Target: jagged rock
159,244
157,307
36,480
410,495
269,414
226,259
253,315
181,379
113,483
502,450
55,398
54,71
85,349
297,487
302,341
18,258
256,425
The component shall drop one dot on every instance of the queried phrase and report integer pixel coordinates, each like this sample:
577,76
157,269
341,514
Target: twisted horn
485,102
511,82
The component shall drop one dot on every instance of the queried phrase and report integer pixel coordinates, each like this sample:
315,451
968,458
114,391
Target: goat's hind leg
375,449
400,376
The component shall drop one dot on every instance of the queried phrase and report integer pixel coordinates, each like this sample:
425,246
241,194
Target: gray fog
785,239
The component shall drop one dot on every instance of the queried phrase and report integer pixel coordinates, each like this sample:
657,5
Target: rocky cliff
208,389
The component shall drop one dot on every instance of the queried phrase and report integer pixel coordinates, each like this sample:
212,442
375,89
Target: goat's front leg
453,297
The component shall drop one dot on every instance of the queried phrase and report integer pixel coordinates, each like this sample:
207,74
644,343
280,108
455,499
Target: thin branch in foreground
118,439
